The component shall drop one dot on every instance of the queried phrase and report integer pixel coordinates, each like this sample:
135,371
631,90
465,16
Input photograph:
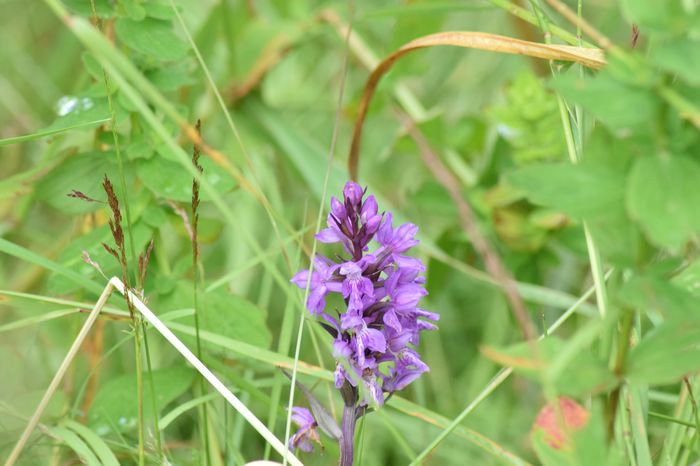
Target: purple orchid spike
381,321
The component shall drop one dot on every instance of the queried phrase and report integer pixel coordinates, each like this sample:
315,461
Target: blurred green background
279,66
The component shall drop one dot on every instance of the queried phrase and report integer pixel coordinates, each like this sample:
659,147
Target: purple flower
323,281
382,288
307,434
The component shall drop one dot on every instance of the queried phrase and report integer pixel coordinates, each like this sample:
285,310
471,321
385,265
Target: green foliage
114,409
583,375
662,195
504,129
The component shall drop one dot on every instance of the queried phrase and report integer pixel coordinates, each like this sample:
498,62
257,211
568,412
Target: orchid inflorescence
381,290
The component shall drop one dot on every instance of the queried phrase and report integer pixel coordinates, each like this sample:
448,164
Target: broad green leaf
234,317
115,403
103,8
75,111
133,9
666,354
82,172
657,15
663,195
679,56
617,105
169,180
171,78
656,294
585,375
617,238
151,37
577,190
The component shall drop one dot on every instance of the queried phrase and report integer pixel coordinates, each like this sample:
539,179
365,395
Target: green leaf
98,445
577,190
82,172
151,37
75,443
171,78
115,405
234,317
679,56
102,7
617,105
169,180
133,9
658,15
656,294
585,375
663,195
76,111
666,354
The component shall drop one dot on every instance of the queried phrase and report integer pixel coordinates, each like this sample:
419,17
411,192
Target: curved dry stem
590,57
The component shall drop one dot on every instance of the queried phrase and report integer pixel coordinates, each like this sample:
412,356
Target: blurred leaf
577,190
656,294
679,56
151,37
168,180
666,354
663,195
171,78
98,445
133,9
77,111
103,8
654,14
82,172
234,317
115,406
75,443
617,105
585,375
689,278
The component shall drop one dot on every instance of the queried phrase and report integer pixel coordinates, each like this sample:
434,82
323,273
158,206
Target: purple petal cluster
375,332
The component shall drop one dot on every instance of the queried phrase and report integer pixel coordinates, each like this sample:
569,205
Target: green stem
623,345
139,388
672,419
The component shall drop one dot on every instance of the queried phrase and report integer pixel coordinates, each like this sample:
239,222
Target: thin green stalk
139,388
675,420
623,344
331,154
574,148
